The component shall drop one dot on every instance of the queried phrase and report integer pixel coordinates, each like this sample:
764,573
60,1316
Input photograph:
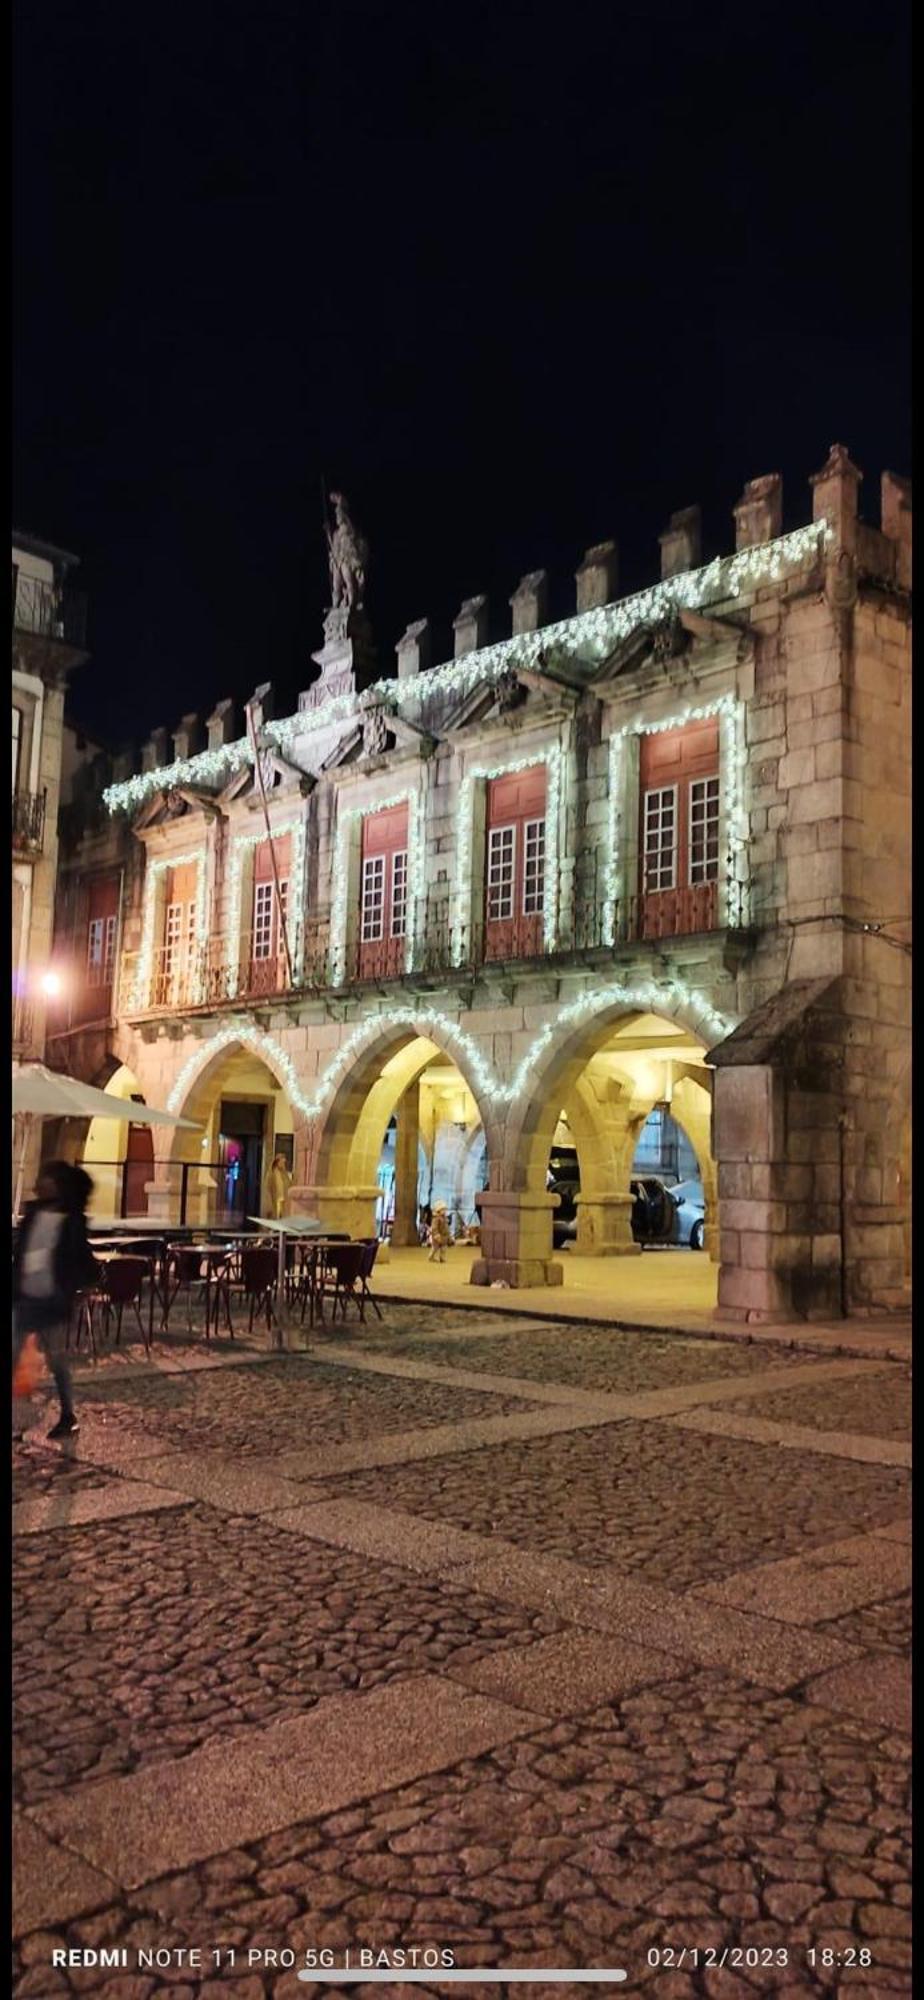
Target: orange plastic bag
29,1368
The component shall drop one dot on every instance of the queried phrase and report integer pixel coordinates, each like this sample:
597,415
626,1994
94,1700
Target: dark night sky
514,289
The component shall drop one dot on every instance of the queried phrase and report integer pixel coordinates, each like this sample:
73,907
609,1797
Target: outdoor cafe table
286,1227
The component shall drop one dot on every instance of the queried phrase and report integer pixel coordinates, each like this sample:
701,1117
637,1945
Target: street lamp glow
50,984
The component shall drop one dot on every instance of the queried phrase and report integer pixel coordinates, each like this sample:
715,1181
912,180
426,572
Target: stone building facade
656,853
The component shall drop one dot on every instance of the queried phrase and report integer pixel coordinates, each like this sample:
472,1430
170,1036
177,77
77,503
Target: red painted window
268,970
97,942
384,915
679,830
174,979
515,863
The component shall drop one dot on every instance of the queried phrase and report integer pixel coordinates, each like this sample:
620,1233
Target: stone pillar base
604,1227
516,1240
516,1272
344,1209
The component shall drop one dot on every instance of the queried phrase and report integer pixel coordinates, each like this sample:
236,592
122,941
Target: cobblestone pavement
599,1358
143,1638
877,1406
642,1497
236,1733
876,1628
283,1405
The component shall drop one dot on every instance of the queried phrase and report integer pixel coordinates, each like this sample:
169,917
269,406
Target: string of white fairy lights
671,997
590,636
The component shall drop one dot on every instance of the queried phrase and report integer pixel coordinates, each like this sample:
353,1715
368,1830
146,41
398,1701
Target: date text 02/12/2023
708,1958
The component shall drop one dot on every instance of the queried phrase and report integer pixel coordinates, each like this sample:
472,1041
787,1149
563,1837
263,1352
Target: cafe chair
341,1278
185,1274
370,1247
259,1270
123,1282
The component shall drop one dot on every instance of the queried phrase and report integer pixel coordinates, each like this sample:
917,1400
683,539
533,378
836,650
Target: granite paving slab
170,1815
821,1584
50,1883
136,1645
700,1809
795,1437
236,1486
567,1672
109,1502
878,1690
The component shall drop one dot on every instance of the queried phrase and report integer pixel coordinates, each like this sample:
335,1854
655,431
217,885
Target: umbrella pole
281,1285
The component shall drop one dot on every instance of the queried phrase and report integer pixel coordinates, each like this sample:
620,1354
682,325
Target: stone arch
557,1069
598,1071
344,1142
192,1097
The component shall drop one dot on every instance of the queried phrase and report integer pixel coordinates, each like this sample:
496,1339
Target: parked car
654,1217
564,1180
690,1204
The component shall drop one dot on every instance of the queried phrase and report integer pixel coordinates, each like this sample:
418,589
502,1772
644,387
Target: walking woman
52,1263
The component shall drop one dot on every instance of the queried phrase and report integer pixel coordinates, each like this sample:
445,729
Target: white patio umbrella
43,1093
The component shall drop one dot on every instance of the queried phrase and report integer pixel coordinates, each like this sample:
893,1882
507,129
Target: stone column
340,1208
604,1226
516,1240
404,1227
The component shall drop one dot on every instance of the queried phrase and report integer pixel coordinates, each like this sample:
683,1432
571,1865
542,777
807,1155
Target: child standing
439,1234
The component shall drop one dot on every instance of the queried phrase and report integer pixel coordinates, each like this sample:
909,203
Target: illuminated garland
410,797
591,635
155,869
551,758
240,848
733,764
671,998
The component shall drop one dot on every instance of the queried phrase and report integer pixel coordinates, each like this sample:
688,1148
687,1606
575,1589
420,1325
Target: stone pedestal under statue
347,659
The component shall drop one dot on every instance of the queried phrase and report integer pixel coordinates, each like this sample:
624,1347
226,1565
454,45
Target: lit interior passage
434,1150
119,1157
218,1173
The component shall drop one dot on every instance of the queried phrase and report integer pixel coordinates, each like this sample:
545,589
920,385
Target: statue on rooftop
348,556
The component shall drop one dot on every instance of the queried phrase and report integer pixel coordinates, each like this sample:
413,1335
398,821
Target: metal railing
28,822
201,1193
48,611
589,927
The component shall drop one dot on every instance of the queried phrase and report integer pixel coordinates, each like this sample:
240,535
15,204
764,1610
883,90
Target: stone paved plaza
540,1645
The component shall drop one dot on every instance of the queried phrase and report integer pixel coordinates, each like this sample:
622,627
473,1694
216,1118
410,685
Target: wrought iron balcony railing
47,611
28,822
214,976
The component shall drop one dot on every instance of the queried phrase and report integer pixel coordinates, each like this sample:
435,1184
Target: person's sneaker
64,1428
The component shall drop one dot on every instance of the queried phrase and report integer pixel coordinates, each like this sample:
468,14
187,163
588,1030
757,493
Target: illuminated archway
396,1074
605,1079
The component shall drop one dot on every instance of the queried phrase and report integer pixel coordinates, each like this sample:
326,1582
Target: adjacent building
652,856
48,635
